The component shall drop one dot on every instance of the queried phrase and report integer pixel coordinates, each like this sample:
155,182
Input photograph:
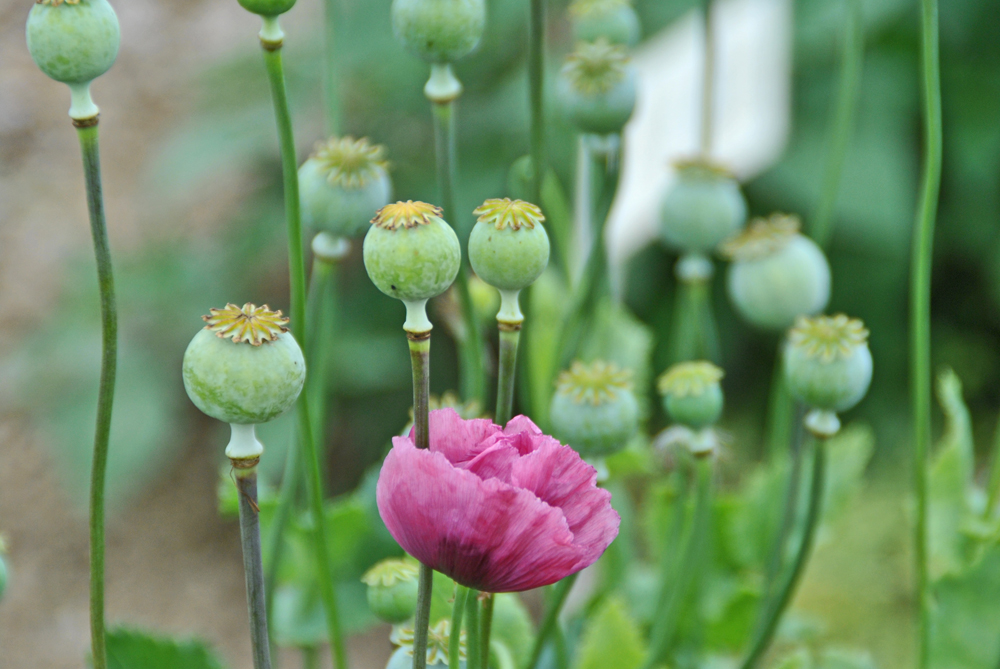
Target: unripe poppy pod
828,364
598,87
267,7
692,394
777,274
439,31
73,41
703,207
594,409
612,20
341,184
392,589
508,247
438,646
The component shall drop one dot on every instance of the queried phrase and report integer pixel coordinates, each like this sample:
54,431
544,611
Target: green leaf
133,649
611,639
965,623
848,455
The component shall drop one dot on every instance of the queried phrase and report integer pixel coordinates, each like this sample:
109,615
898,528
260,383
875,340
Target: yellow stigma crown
828,337
507,213
350,163
594,68
251,324
56,3
596,383
582,8
407,214
689,378
390,572
438,639
763,237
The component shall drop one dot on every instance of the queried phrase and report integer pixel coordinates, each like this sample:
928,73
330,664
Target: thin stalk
993,487
297,280
920,308
331,84
536,94
692,562
474,656
321,318
291,480
669,558
253,568
455,640
87,132
486,628
420,360
473,379
765,634
310,657
779,411
510,334
423,617
848,91
551,619
707,80
694,336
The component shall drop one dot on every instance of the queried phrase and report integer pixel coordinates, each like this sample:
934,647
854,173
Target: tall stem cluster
87,131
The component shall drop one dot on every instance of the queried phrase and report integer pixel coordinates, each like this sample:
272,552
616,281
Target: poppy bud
392,589
508,247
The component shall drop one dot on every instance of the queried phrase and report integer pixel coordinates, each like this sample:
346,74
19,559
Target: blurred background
192,184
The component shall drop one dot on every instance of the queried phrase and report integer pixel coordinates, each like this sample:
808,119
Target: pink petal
525,435
457,439
484,534
495,462
560,477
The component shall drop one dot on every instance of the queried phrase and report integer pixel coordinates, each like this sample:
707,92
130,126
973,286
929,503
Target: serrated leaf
611,638
134,649
965,623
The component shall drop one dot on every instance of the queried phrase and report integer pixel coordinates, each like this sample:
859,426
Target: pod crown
828,337
763,237
507,213
249,323
407,214
596,67
689,378
594,383
350,163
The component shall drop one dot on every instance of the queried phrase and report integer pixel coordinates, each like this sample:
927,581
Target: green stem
510,334
993,489
423,617
765,634
779,411
473,630
87,131
551,618
707,80
290,482
310,657
455,638
297,280
667,616
320,317
843,120
486,629
253,568
694,336
920,308
536,93
331,92
473,379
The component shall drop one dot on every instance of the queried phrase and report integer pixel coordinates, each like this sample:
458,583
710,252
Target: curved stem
843,120
246,485
87,132
486,628
510,334
692,562
297,280
708,80
920,308
536,93
764,636
455,638
473,379
551,618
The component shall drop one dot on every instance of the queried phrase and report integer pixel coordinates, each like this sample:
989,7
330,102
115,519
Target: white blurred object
751,112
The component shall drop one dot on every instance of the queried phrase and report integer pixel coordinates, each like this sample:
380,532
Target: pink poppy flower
496,509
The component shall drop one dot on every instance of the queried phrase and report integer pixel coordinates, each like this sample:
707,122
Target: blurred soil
173,565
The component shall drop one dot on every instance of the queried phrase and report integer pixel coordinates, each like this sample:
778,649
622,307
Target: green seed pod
244,367
593,409
267,7
438,640
508,247
776,273
392,589
702,208
612,20
692,394
598,88
439,31
73,41
410,252
827,362
341,184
